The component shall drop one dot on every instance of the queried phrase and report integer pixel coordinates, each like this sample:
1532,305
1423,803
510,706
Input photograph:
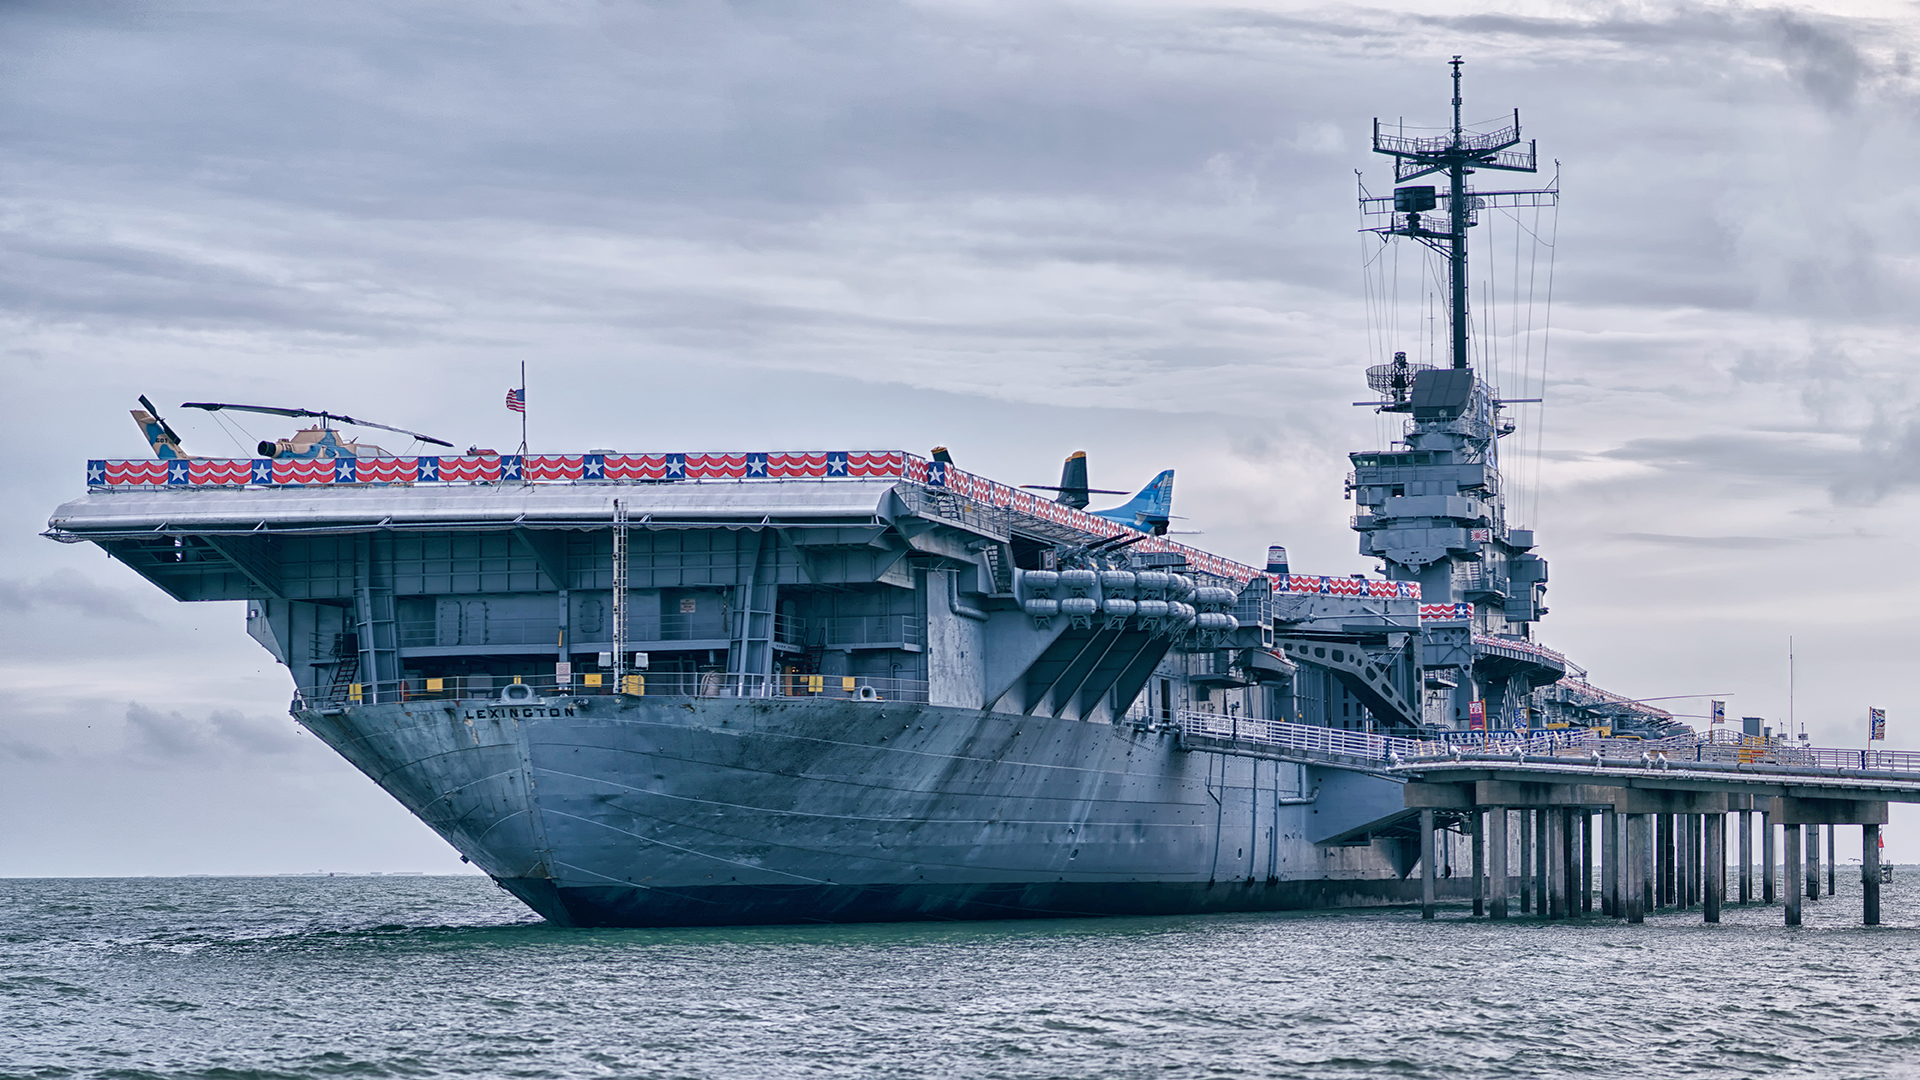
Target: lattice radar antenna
1439,217
1412,209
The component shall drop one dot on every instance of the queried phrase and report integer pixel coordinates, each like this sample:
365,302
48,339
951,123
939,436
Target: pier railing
510,690
1575,745
1303,738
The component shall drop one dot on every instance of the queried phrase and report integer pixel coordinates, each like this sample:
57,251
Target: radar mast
1433,508
1458,154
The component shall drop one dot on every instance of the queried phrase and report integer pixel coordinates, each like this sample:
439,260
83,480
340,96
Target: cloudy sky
1018,229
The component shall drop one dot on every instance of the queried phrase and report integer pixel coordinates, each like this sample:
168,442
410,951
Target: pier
1661,830
1655,822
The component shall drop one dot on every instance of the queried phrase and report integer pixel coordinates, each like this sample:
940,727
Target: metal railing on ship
1721,749
1307,738
710,684
787,629
866,629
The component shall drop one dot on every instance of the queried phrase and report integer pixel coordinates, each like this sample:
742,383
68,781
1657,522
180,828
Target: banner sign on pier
1876,724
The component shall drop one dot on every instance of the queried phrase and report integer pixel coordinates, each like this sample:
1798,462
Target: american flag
517,400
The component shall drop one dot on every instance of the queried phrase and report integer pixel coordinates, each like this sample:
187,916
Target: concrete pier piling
1813,863
1766,857
1870,875
1571,859
1705,875
1613,828
1526,861
1796,869
1542,868
1609,863
1497,848
1650,865
1746,856
1628,849
1682,857
1553,872
1671,884
1636,867
1571,856
1563,861
1477,827
1716,851
1659,828
1697,870
1426,865
1676,849
1586,862
1620,872
1574,853
1833,864
1663,862
1696,859
1683,885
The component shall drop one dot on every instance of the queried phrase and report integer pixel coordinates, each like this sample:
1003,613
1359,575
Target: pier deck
1662,829
1661,810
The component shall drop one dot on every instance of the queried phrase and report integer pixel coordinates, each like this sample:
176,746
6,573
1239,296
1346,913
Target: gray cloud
1889,460
676,182
1855,466
1825,62
1747,455
20,750
224,732
1822,53
164,734
1732,543
69,590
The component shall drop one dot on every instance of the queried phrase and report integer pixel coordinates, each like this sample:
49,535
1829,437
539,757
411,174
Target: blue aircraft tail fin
1149,511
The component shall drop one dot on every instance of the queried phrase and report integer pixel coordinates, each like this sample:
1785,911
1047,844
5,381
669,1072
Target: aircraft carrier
646,689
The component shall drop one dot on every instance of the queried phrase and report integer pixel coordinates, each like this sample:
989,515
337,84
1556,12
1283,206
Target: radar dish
1395,379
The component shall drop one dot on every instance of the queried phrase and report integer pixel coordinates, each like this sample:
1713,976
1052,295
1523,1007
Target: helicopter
307,444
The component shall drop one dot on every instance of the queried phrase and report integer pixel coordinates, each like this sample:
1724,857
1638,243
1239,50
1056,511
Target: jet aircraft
1150,511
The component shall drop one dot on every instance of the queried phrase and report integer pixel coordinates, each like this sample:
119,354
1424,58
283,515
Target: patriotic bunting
658,468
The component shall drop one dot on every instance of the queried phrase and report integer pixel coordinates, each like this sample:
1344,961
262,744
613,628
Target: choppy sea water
234,978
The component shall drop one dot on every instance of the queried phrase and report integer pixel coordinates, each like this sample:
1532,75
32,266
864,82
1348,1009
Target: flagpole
523,408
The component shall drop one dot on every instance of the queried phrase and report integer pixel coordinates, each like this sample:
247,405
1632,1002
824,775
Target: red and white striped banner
742,466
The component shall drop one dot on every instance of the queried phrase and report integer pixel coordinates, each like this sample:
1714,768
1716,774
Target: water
235,978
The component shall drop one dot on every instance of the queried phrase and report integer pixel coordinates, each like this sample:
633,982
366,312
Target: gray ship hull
665,811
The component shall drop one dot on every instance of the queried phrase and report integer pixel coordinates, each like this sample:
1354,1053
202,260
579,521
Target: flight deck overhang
659,490
130,513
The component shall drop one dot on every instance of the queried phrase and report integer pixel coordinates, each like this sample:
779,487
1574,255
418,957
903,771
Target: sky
1015,229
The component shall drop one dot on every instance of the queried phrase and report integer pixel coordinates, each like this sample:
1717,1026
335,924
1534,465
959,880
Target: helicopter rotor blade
214,406
390,427
161,420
